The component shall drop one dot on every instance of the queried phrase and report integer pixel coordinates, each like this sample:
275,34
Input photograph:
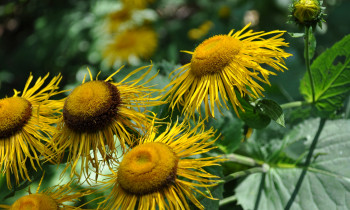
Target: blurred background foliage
67,36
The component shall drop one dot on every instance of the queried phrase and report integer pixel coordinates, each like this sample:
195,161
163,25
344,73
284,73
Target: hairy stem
307,61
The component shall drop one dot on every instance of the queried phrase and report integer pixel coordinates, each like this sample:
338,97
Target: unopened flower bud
307,12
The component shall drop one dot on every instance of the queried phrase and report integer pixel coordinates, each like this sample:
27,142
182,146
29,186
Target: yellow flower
52,198
224,12
115,19
137,4
151,175
201,31
136,43
26,123
225,65
96,112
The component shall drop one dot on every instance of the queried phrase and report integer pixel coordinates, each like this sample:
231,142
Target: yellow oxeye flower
225,65
159,173
136,43
52,198
306,10
96,112
26,123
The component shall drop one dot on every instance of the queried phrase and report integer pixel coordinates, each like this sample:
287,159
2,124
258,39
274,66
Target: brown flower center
91,106
14,114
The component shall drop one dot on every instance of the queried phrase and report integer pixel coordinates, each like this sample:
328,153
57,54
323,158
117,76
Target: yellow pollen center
214,54
35,202
14,114
147,168
91,106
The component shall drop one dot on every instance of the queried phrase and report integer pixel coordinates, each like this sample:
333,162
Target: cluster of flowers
100,118
132,39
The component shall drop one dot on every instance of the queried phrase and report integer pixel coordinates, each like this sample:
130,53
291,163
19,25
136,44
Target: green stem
242,160
293,104
307,61
306,164
227,200
262,169
235,175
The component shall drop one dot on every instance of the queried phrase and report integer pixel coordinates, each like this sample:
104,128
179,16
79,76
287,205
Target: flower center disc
91,106
35,202
147,168
214,54
14,114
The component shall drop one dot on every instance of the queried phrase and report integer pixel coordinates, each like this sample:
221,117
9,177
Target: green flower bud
307,12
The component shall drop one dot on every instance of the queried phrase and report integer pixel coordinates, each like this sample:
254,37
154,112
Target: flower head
115,19
26,124
201,31
52,198
307,12
96,112
152,173
132,44
224,66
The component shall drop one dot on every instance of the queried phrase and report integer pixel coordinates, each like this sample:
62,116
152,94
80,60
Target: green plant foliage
326,184
259,114
252,116
271,109
331,73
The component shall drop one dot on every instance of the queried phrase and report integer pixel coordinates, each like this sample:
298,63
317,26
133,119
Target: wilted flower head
225,67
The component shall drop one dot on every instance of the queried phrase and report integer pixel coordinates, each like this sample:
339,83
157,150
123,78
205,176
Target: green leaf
230,130
312,44
331,74
216,191
252,116
326,184
271,109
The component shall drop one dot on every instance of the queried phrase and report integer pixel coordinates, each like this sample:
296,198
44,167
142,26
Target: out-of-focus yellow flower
137,4
139,43
52,198
224,12
159,173
115,19
225,65
201,31
26,124
101,115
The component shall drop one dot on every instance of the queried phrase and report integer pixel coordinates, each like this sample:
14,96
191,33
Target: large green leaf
326,184
331,74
